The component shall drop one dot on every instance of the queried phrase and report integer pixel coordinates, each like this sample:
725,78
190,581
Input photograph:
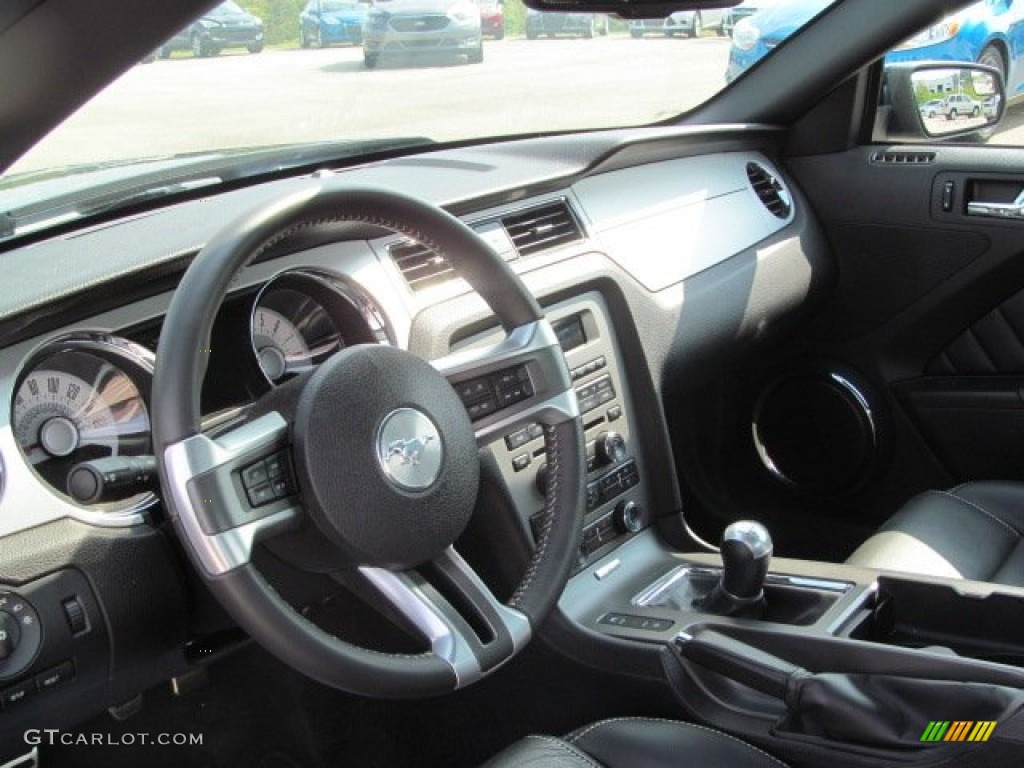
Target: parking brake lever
740,662
1014,210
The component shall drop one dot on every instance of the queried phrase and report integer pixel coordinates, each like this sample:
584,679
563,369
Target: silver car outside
414,29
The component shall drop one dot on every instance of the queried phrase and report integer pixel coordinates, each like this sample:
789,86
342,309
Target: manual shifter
746,552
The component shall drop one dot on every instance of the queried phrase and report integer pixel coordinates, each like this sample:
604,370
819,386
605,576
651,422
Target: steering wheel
376,449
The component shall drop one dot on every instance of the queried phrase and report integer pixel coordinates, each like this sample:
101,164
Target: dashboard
651,250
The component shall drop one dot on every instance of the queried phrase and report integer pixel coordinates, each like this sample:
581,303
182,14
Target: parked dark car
226,26
556,24
325,22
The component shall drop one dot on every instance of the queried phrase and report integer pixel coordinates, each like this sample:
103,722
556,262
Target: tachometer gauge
77,402
280,347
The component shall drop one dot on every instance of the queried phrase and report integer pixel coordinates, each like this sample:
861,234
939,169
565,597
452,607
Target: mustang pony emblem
409,450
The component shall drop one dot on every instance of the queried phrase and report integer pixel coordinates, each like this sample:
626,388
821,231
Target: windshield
397,73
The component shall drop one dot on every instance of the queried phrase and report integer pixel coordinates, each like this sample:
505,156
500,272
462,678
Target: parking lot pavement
238,99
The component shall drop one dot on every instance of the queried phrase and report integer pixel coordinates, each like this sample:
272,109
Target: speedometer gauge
55,412
76,401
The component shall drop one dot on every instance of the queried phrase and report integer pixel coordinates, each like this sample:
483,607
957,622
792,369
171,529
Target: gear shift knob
746,553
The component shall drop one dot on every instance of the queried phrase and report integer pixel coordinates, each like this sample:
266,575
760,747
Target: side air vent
902,158
420,266
769,190
543,227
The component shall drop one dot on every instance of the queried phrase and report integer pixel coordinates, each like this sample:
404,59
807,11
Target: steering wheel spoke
519,381
233,490
466,626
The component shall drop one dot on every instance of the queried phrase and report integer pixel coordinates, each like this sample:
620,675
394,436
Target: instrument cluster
80,412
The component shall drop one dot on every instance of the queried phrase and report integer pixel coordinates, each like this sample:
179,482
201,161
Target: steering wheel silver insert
409,449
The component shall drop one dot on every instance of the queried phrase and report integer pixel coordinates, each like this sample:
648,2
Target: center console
618,505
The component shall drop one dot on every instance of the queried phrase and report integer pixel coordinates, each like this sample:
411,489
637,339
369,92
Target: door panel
926,317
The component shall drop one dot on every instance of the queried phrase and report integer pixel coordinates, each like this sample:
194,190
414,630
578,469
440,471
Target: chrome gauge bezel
133,360
341,298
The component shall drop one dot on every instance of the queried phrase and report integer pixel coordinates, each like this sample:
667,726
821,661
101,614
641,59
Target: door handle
1014,210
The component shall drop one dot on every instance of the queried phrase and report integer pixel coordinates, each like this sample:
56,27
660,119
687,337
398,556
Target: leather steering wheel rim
187,459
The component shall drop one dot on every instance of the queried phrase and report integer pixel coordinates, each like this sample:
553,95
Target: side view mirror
944,99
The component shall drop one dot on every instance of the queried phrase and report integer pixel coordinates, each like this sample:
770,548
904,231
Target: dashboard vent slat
420,266
769,191
546,226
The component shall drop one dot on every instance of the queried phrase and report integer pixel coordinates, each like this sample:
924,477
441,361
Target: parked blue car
990,32
325,22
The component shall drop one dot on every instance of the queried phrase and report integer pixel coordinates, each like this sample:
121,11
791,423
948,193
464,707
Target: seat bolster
971,532
650,743
541,752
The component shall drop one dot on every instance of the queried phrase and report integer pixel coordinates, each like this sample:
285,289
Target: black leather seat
974,531
635,742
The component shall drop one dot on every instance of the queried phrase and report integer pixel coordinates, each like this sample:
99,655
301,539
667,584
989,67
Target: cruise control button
282,488
275,466
255,474
260,495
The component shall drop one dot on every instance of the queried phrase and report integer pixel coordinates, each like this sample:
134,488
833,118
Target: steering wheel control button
277,465
255,474
55,676
409,449
260,495
21,634
484,395
267,480
521,462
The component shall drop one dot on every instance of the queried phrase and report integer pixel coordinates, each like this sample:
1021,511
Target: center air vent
769,190
543,227
530,231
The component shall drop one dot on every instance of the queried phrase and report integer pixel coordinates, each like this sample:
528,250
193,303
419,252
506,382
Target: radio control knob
629,516
610,448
